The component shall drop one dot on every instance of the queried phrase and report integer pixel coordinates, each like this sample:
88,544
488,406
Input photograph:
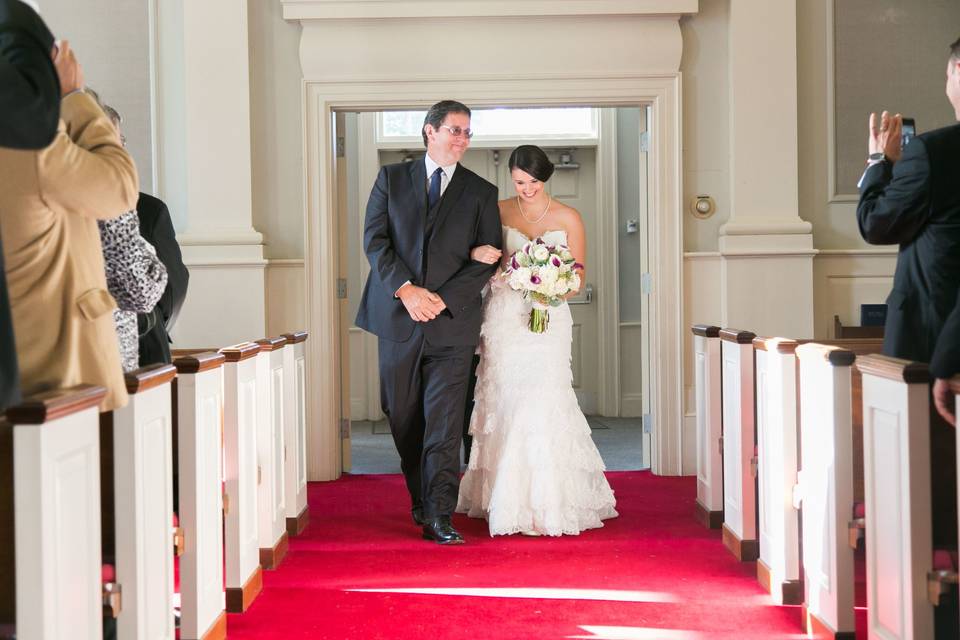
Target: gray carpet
618,440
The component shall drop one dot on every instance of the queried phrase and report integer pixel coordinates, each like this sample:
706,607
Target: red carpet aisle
362,571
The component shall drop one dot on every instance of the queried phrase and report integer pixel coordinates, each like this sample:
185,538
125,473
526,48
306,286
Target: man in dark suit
912,198
29,111
156,227
422,299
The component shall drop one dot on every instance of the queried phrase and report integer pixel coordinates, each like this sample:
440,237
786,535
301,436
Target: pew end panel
272,505
199,392
242,549
709,505
295,437
825,487
54,441
142,463
778,568
898,498
739,435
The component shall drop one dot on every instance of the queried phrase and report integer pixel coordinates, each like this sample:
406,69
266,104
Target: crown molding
394,9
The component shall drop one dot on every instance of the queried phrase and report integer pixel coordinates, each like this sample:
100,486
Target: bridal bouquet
543,273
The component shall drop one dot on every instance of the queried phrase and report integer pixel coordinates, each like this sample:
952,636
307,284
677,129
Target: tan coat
49,203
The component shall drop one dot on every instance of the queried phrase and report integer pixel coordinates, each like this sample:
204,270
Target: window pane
503,123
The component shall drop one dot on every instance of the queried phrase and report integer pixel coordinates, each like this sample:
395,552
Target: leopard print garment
135,278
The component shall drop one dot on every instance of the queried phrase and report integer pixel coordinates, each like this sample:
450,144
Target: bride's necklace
524,215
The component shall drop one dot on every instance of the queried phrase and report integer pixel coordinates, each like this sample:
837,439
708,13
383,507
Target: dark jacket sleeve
164,240
29,87
945,362
895,205
377,243
465,284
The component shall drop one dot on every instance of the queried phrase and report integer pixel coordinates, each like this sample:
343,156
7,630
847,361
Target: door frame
665,349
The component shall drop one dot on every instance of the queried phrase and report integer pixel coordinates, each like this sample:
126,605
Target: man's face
953,84
443,146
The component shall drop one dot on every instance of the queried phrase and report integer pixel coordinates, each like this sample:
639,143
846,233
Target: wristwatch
874,158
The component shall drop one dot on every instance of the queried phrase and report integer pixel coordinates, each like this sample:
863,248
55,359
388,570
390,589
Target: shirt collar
432,166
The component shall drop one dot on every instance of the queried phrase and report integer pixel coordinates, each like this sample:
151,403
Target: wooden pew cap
705,330
240,352
148,377
198,361
295,337
272,344
737,335
780,345
54,404
833,354
894,368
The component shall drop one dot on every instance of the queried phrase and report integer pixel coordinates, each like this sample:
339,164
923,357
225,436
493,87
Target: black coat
405,242
156,227
29,111
916,204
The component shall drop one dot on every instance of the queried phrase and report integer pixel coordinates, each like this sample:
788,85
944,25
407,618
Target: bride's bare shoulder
567,214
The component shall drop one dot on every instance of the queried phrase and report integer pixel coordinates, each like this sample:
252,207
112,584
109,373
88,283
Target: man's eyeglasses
456,132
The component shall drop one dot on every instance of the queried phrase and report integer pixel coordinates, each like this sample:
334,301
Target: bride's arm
485,253
577,243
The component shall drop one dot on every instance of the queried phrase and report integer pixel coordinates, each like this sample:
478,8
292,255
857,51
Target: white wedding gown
533,466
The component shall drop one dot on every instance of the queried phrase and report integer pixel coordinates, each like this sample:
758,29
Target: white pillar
767,249
204,160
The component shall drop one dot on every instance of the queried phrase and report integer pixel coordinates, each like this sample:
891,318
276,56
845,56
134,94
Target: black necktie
433,194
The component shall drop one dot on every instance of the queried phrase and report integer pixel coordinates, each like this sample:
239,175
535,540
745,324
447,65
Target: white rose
520,278
541,253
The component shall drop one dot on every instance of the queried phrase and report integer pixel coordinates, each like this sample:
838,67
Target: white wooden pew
825,488
142,460
295,431
199,391
271,498
896,432
778,567
739,462
242,546
50,494
706,348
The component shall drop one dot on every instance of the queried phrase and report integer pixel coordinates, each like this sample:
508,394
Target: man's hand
944,399
485,253
68,69
422,305
885,135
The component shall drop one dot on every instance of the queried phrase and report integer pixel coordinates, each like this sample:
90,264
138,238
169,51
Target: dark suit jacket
29,87
29,112
403,241
156,227
916,204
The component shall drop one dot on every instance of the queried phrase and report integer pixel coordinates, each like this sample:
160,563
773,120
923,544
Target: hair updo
531,159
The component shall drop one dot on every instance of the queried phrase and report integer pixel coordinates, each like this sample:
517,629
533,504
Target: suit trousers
423,390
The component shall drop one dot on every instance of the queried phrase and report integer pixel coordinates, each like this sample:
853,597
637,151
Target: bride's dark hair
531,159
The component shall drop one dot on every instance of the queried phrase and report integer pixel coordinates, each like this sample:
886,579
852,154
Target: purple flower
540,241
514,263
535,279
555,261
577,265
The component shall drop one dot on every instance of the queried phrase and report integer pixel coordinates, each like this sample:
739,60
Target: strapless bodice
513,238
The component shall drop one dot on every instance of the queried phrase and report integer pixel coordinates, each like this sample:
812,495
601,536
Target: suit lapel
418,191
450,196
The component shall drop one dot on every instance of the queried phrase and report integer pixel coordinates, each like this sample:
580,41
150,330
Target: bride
533,468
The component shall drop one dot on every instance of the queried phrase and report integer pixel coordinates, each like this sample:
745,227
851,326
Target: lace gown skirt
533,465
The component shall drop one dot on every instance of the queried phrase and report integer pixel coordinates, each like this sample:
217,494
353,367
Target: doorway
600,155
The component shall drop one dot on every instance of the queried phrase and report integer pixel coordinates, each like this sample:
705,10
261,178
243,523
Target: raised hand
421,304
485,253
885,135
68,69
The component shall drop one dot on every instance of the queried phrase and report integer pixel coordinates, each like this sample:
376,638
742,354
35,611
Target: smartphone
908,129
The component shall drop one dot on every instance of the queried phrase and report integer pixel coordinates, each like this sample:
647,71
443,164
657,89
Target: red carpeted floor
362,571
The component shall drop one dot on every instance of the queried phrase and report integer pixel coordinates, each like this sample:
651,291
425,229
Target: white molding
379,9
608,307
701,255
858,253
285,263
735,254
226,264
831,80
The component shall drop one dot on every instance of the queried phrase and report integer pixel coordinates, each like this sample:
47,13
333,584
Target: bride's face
528,187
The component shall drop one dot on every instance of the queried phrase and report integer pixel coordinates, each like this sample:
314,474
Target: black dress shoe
441,531
418,518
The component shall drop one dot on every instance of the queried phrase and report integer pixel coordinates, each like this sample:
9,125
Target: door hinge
647,423
341,288
646,283
753,466
645,142
720,442
341,147
344,428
